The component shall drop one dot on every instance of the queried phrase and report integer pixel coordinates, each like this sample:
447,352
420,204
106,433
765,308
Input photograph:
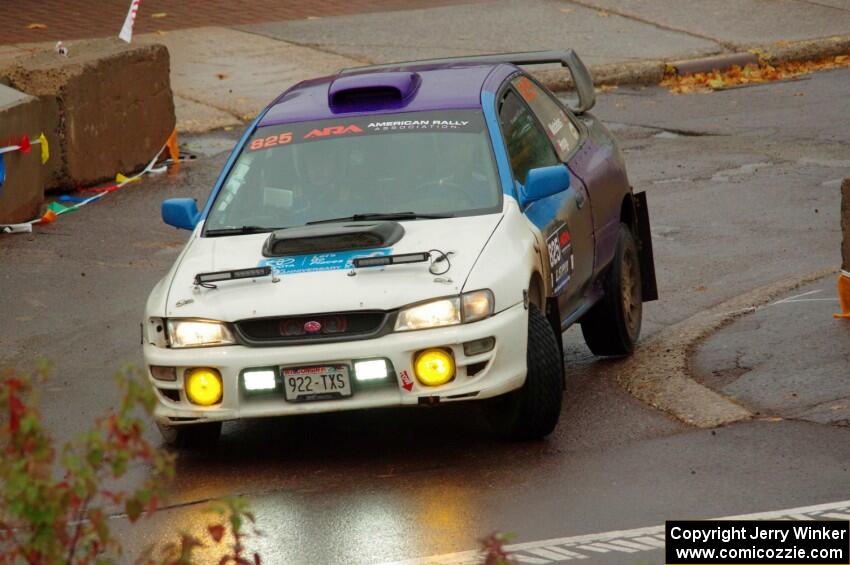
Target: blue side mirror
181,213
542,182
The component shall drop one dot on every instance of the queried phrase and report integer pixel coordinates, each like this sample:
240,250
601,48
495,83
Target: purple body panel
440,87
601,168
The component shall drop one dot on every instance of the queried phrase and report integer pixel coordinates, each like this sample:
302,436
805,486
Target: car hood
322,283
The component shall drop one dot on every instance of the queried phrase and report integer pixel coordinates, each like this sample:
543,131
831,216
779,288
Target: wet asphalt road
743,191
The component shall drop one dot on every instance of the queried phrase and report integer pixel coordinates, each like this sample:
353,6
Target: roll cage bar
567,58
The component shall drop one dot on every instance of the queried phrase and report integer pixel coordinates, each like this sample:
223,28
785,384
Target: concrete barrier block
23,190
114,104
845,224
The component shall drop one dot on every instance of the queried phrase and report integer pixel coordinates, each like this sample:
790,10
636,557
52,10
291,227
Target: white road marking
611,546
836,516
593,548
652,542
627,541
790,298
564,553
547,552
632,544
528,559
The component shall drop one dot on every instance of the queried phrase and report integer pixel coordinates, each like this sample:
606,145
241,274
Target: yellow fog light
203,386
434,367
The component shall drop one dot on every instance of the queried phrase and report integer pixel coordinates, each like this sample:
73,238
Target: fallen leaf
159,14
602,13
216,531
36,26
220,76
566,10
750,74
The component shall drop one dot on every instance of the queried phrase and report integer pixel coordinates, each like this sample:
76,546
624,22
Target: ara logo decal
333,130
406,381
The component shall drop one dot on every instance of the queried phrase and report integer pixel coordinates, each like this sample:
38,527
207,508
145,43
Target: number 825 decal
271,141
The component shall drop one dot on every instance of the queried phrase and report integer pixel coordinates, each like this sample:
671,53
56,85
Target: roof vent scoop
372,91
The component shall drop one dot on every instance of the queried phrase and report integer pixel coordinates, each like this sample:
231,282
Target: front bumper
484,375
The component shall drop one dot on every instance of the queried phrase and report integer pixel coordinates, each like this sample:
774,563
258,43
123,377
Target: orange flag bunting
173,150
844,294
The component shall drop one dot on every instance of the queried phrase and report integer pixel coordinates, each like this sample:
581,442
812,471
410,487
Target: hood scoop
327,238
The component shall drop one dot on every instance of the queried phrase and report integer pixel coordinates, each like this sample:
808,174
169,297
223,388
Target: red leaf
16,410
256,559
216,531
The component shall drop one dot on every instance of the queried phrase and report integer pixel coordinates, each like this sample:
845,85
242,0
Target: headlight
469,307
477,305
196,333
442,312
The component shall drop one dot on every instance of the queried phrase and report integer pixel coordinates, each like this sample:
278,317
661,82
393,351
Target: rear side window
559,128
528,147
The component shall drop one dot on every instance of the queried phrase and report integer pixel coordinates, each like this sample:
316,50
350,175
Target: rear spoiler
567,58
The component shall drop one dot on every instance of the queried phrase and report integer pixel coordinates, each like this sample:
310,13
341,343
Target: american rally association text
755,532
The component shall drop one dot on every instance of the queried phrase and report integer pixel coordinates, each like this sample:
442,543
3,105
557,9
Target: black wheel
191,436
532,411
612,326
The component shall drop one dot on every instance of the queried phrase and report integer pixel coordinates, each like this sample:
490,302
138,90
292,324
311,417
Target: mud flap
647,262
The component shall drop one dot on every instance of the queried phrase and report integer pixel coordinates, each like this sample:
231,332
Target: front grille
337,326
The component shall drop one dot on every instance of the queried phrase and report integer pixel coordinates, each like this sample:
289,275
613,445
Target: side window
559,128
528,147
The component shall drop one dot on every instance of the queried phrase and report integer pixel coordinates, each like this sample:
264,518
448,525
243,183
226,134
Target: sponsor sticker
449,121
321,262
526,89
561,262
398,125
406,380
555,126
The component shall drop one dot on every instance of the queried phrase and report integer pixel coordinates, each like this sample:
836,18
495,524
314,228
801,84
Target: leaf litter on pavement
749,74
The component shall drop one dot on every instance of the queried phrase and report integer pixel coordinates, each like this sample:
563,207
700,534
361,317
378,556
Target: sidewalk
249,52
788,359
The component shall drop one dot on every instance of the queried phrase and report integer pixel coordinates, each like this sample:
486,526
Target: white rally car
408,234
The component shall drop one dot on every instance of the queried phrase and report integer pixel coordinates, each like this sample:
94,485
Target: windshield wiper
381,216
239,230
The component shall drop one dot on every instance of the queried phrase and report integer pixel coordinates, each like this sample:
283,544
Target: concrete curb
652,71
659,371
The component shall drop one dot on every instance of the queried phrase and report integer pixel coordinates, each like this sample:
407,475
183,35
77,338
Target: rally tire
191,436
532,411
612,326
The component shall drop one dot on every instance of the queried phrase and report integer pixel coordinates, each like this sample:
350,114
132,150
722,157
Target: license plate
323,382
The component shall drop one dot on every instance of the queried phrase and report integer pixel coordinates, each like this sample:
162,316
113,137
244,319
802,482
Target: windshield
427,163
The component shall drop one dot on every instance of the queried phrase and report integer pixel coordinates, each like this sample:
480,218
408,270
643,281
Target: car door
538,133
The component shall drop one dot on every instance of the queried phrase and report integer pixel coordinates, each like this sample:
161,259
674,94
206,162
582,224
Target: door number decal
561,261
